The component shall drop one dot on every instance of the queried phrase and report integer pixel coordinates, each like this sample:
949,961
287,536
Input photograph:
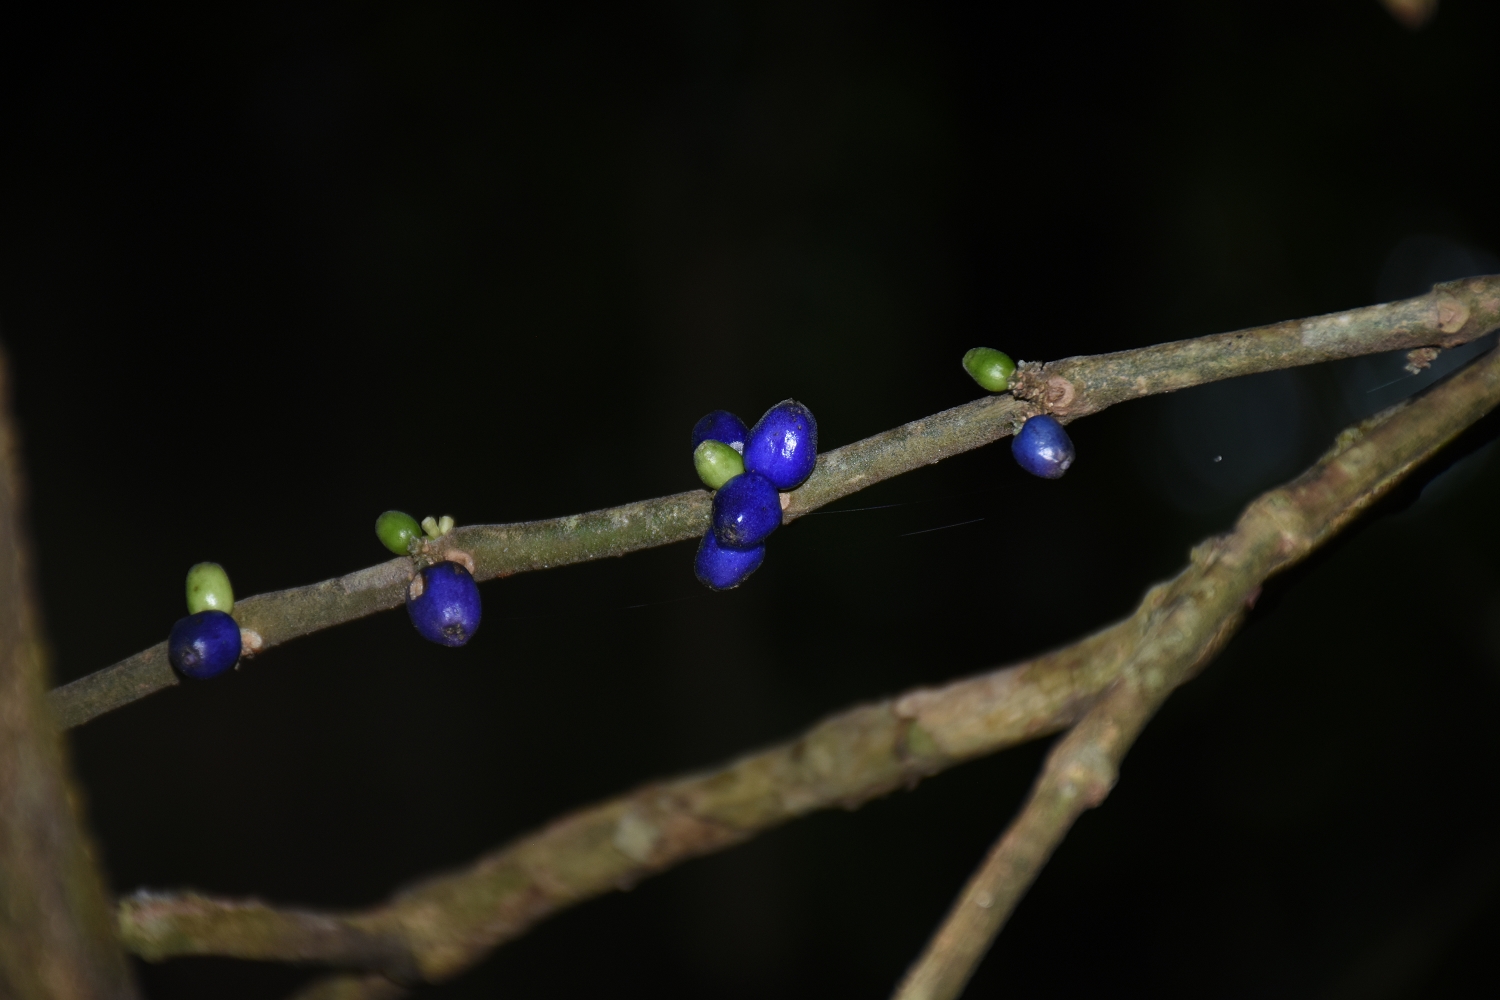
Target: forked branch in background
1195,615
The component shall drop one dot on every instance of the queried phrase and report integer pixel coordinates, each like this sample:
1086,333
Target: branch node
1088,775
1060,394
636,836
461,557
1452,314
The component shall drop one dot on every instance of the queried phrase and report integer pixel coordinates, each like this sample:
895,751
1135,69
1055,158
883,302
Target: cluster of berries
442,600
748,469
1042,447
207,642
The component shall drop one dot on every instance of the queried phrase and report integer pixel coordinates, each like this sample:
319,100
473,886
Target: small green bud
445,524
717,463
396,530
992,369
430,525
208,589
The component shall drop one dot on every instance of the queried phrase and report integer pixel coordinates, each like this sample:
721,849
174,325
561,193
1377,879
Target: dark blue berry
1043,448
204,645
746,510
443,603
720,425
720,568
783,445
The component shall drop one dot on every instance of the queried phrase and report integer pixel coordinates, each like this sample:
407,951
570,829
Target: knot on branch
1452,315
659,827
1051,393
1087,775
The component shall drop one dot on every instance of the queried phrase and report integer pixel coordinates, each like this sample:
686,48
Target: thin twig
1197,614
450,922
168,925
1449,315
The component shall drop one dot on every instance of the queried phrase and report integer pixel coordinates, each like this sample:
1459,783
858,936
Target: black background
269,271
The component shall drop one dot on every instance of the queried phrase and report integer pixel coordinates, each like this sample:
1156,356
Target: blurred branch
1195,615
448,923
1451,314
56,938
157,926
1412,13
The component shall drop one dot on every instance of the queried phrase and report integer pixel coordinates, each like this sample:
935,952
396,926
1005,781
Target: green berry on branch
992,369
396,530
717,463
208,589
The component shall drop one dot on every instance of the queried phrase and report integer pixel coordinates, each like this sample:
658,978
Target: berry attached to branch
204,644
1043,448
746,510
720,568
723,426
208,589
717,463
443,603
992,369
396,530
783,445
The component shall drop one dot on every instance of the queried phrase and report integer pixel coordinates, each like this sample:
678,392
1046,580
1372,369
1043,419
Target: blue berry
720,425
720,568
746,510
783,445
1043,448
204,645
443,603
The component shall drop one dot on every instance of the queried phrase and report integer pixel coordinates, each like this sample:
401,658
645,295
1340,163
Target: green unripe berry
717,463
992,369
396,530
208,589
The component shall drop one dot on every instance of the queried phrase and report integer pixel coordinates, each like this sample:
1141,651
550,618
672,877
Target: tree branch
56,942
1198,612
450,922
1451,314
162,926
845,760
